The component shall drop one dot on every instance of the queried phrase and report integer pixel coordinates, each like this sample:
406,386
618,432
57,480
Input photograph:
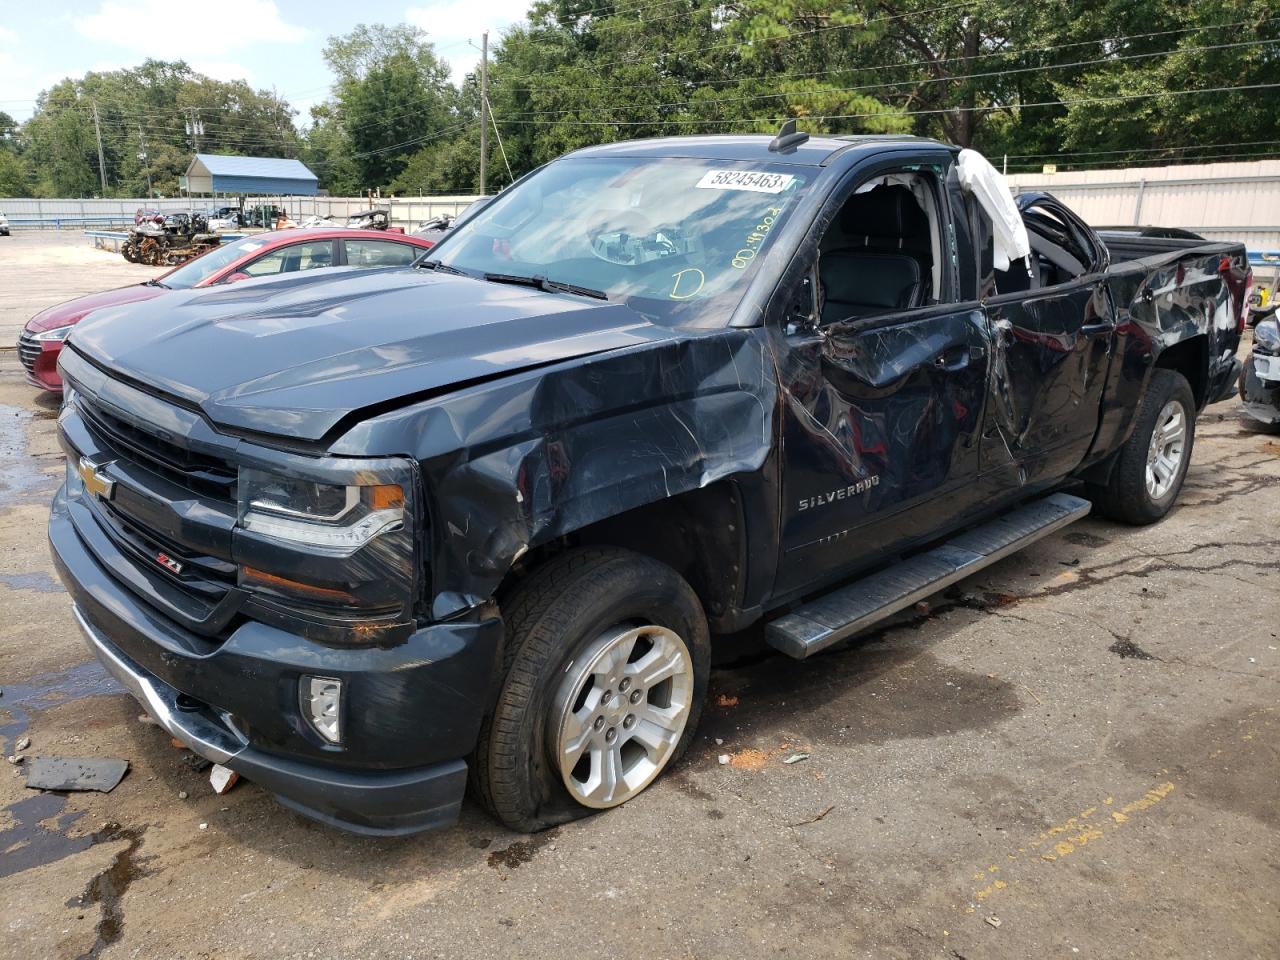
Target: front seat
857,282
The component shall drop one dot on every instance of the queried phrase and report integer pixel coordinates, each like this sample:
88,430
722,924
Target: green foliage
391,91
145,110
1105,80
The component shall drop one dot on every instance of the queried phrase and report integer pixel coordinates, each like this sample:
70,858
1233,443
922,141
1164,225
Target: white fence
406,212
1222,201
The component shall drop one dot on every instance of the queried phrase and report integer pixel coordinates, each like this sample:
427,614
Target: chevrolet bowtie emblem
95,479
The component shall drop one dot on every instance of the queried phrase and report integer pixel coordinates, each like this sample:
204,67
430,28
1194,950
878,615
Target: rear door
380,253
1052,330
882,409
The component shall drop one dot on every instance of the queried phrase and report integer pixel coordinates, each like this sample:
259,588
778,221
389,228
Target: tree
391,94
146,110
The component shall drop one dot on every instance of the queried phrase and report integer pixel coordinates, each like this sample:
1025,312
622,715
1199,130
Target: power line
829,28
901,113
827,91
1052,48
1094,153
1154,161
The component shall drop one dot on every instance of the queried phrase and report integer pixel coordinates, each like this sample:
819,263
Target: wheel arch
701,534
1189,357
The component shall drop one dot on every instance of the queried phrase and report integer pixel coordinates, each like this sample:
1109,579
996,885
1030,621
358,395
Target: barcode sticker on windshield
745,180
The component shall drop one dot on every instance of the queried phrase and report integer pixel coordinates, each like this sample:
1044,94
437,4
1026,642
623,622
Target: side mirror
236,277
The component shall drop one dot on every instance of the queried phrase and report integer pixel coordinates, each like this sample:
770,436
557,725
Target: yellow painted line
1072,835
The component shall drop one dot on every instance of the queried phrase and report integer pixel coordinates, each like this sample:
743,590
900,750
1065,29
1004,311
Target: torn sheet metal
523,460
75,773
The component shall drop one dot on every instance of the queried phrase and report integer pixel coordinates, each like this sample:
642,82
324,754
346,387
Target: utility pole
102,164
194,129
142,156
484,107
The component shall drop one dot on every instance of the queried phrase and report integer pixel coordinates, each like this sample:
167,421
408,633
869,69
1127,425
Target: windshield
205,265
675,239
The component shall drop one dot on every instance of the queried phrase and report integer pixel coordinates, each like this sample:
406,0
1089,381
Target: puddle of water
22,476
108,888
47,690
38,581
29,844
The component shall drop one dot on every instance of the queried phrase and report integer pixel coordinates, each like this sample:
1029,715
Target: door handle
952,359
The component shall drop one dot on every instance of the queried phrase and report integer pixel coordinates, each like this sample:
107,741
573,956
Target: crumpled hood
72,311
293,356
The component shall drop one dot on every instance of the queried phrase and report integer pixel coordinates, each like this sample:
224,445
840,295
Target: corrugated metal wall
1222,201
406,212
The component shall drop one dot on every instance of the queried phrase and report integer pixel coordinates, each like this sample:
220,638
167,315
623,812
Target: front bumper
412,711
40,361
1261,396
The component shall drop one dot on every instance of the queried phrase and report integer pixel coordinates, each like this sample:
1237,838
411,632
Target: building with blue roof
212,173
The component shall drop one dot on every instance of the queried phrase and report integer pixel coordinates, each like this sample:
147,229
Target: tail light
1247,302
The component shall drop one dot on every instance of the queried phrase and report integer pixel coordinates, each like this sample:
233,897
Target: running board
847,610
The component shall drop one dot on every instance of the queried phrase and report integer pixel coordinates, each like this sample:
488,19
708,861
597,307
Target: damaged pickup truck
366,536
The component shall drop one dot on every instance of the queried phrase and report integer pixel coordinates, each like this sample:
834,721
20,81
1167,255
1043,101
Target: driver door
883,406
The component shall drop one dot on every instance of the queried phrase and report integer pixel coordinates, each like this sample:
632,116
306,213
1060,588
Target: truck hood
294,356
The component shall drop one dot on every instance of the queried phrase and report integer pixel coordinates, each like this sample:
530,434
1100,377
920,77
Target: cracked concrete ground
1075,753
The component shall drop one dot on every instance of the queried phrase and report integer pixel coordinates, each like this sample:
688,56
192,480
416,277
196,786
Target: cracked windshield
671,238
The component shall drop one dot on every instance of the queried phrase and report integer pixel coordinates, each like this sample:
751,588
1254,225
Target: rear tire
581,632
1153,462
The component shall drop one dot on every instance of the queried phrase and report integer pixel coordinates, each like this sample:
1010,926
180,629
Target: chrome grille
28,350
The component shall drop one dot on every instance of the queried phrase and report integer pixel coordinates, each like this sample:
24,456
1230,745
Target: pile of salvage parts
165,240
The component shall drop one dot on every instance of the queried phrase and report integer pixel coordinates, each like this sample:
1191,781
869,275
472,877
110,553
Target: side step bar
848,610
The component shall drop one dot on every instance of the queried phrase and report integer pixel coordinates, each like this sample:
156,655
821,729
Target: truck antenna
787,139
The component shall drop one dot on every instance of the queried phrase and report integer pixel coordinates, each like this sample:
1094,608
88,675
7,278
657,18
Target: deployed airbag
989,188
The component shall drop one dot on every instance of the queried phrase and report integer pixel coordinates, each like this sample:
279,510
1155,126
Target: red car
261,255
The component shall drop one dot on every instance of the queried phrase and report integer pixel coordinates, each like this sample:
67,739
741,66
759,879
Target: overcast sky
273,44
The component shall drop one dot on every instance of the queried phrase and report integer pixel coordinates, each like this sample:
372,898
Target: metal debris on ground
222,778
182,794
993,920
724,758
796,758
75,773
196,762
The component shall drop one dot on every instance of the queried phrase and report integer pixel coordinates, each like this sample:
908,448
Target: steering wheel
626,236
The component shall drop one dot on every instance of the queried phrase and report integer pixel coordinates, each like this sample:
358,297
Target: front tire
606,668
1153,462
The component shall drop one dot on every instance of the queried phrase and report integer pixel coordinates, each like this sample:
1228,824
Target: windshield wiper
155,283
441,267
547,286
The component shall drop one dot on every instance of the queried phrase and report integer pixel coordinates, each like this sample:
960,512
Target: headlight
331,518
1266,336
56,334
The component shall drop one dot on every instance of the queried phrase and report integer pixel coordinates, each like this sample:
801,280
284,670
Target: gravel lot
1074,754
39,268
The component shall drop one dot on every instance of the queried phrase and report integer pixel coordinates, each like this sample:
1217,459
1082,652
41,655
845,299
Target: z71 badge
843,493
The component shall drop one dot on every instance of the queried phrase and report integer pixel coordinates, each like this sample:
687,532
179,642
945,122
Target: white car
4,225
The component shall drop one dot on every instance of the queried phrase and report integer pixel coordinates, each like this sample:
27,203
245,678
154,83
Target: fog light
322,705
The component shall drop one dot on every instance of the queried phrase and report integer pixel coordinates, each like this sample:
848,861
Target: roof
815,151
220,165
216,173
279,238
